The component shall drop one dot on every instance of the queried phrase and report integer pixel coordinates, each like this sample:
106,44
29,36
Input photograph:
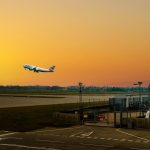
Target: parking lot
78,137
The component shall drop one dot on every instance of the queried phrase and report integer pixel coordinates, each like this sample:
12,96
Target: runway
15,100
76,138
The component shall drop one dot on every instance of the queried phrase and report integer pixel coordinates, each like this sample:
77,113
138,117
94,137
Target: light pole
140,98
80,101
149,95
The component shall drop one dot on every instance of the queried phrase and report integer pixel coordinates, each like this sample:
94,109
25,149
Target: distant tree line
90,89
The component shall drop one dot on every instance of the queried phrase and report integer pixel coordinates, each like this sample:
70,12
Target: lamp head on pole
80,83
138,83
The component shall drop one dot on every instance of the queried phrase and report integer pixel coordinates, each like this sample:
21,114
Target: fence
65,119
136,123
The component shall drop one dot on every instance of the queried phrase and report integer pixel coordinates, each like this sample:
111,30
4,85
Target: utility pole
80,102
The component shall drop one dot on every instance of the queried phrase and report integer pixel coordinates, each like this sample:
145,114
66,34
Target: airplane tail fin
51,69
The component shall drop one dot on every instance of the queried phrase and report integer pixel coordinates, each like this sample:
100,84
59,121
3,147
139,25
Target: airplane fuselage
38,69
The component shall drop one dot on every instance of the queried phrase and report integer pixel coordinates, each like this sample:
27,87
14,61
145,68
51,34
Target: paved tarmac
15,100
76,138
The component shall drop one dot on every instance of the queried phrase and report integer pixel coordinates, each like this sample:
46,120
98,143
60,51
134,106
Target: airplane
38,69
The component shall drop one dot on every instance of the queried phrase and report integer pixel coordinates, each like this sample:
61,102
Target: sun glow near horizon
97,42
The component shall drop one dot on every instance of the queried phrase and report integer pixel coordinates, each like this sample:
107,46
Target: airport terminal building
130,102
121,110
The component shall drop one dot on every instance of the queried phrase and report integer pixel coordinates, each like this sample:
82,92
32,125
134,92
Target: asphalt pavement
76,138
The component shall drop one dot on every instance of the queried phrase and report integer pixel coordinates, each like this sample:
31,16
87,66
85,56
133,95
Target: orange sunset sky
98,42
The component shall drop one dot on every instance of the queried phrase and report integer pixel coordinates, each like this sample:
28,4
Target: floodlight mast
149,94
139,83
80,102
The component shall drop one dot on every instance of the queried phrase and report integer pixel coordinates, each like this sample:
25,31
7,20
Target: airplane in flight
38,69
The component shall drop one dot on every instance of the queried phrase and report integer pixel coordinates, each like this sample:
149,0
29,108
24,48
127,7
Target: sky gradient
97,42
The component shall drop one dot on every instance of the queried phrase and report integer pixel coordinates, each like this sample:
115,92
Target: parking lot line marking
118,130
108,146
115,139
139,149
3,135
48,141
56,129
29,147
146,141
122,140
76,134
15,138
87,134
53,134
137,141
130,140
